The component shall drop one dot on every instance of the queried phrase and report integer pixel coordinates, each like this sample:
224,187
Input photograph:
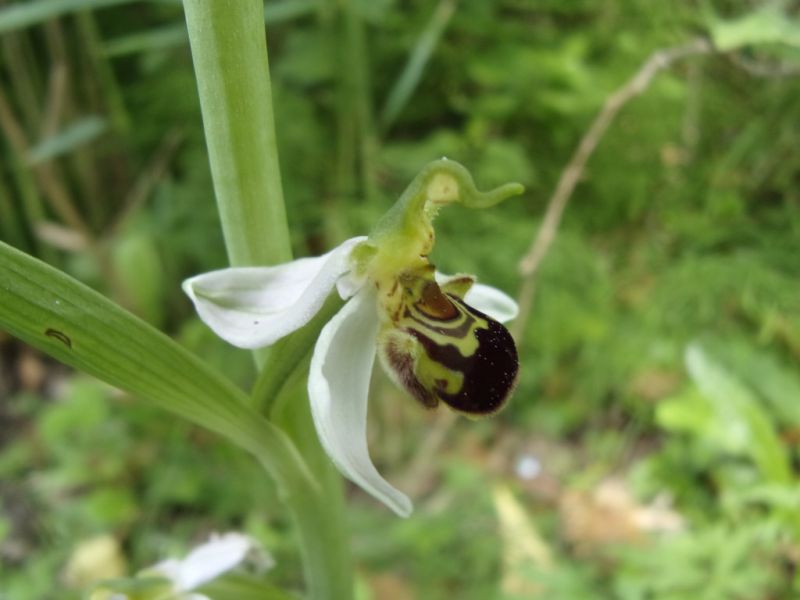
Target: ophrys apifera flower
440,338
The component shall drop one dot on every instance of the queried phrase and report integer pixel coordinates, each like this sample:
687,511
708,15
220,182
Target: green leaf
137,261
421,53
768,24
170,36
763,370
279,12
738,410
77,134
62,317
687,412
25,14
781,496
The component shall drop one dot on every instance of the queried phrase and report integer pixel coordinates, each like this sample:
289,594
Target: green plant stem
230,59
229,52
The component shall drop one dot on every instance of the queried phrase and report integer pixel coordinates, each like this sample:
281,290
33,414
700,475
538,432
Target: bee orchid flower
438,337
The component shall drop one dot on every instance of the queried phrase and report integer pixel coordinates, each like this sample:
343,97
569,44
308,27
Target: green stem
229,51
230,59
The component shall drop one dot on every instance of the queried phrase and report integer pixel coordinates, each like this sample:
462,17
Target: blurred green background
651,449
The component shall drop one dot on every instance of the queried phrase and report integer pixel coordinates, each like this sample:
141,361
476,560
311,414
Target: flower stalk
230,59
229,52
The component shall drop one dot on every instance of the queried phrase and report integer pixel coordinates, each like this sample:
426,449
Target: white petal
206,562
487,299
338,384
252,307
491,301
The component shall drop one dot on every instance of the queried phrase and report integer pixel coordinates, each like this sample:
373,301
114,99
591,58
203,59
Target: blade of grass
49,179
358,94
421,53
32,208
170,36
167,36
103,72
10,228
68,139
24,77
26,14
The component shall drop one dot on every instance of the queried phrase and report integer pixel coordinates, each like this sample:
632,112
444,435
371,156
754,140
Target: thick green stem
230,59
229,51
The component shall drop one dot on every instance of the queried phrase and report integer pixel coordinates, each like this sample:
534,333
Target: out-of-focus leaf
278,12
170,36
689,412
738,409
768,24
420,54
10,229
777,383
139,266
152,39
25,14
77,134
779,496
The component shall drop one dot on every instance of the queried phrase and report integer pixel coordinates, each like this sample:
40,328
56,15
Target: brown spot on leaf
60,336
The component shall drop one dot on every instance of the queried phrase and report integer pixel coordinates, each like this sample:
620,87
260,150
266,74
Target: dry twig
572,173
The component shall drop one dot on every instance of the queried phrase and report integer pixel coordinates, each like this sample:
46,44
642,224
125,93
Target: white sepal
253,307
491,301
338,385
